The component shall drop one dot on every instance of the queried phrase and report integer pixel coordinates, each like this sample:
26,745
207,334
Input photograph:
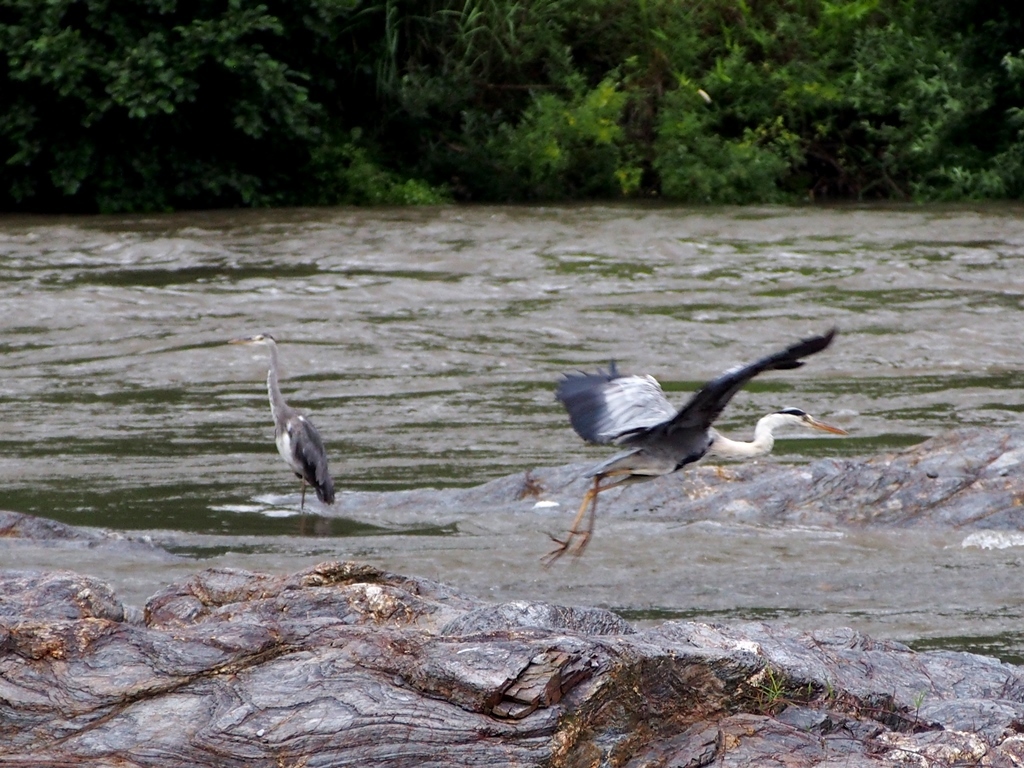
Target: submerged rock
344,664
19,529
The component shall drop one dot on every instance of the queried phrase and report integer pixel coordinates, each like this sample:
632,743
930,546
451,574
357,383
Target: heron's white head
764,434
259,338
799,418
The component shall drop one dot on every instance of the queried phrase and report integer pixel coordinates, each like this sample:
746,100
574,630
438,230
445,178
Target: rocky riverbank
343,664
348,664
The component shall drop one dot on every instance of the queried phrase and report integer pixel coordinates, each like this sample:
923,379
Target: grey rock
345,664
971,477
523,613
45,596
17,528
963,478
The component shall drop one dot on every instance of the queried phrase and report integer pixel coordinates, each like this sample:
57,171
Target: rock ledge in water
965,478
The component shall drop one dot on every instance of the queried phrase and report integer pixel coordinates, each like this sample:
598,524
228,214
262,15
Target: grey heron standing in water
297,439
609,407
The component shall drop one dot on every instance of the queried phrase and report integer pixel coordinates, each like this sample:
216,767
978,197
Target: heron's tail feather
325,490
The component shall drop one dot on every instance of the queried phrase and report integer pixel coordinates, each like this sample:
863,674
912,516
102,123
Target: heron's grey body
298,441
632,411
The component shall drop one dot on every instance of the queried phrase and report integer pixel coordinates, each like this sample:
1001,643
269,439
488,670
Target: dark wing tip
573,384
705,406
790,358
585,398
814,344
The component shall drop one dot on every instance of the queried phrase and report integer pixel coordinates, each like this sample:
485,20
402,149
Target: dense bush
162,104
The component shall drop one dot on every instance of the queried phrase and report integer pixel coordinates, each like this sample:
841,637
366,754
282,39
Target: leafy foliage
163,104
567,146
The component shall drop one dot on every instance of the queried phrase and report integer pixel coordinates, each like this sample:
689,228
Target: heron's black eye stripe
793,412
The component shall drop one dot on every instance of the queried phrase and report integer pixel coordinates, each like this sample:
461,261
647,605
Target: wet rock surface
972,477
55,595
19,529
964,478
346,664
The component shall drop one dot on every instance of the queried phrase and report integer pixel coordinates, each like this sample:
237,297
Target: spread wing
606,407
705,406
309,451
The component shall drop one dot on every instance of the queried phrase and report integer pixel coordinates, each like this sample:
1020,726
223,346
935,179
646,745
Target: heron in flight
632,411
297,439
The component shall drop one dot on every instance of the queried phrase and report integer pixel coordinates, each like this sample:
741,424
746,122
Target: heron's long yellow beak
242,340
813,422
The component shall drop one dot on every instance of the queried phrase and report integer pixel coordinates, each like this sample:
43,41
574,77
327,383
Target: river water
425,344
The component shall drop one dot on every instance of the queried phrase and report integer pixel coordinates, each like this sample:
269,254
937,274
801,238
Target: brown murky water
425,344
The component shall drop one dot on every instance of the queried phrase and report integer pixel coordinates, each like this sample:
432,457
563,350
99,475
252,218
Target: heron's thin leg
302,509
621,477
583,537
589,501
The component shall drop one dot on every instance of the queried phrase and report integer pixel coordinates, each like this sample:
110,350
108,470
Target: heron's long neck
762,443
277,403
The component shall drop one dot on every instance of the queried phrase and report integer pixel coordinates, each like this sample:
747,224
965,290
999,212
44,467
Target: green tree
164,104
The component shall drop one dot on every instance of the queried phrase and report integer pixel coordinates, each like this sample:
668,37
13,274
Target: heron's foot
582,539
574,542
563,547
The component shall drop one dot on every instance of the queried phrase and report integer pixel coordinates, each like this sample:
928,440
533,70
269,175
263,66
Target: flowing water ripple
425,344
